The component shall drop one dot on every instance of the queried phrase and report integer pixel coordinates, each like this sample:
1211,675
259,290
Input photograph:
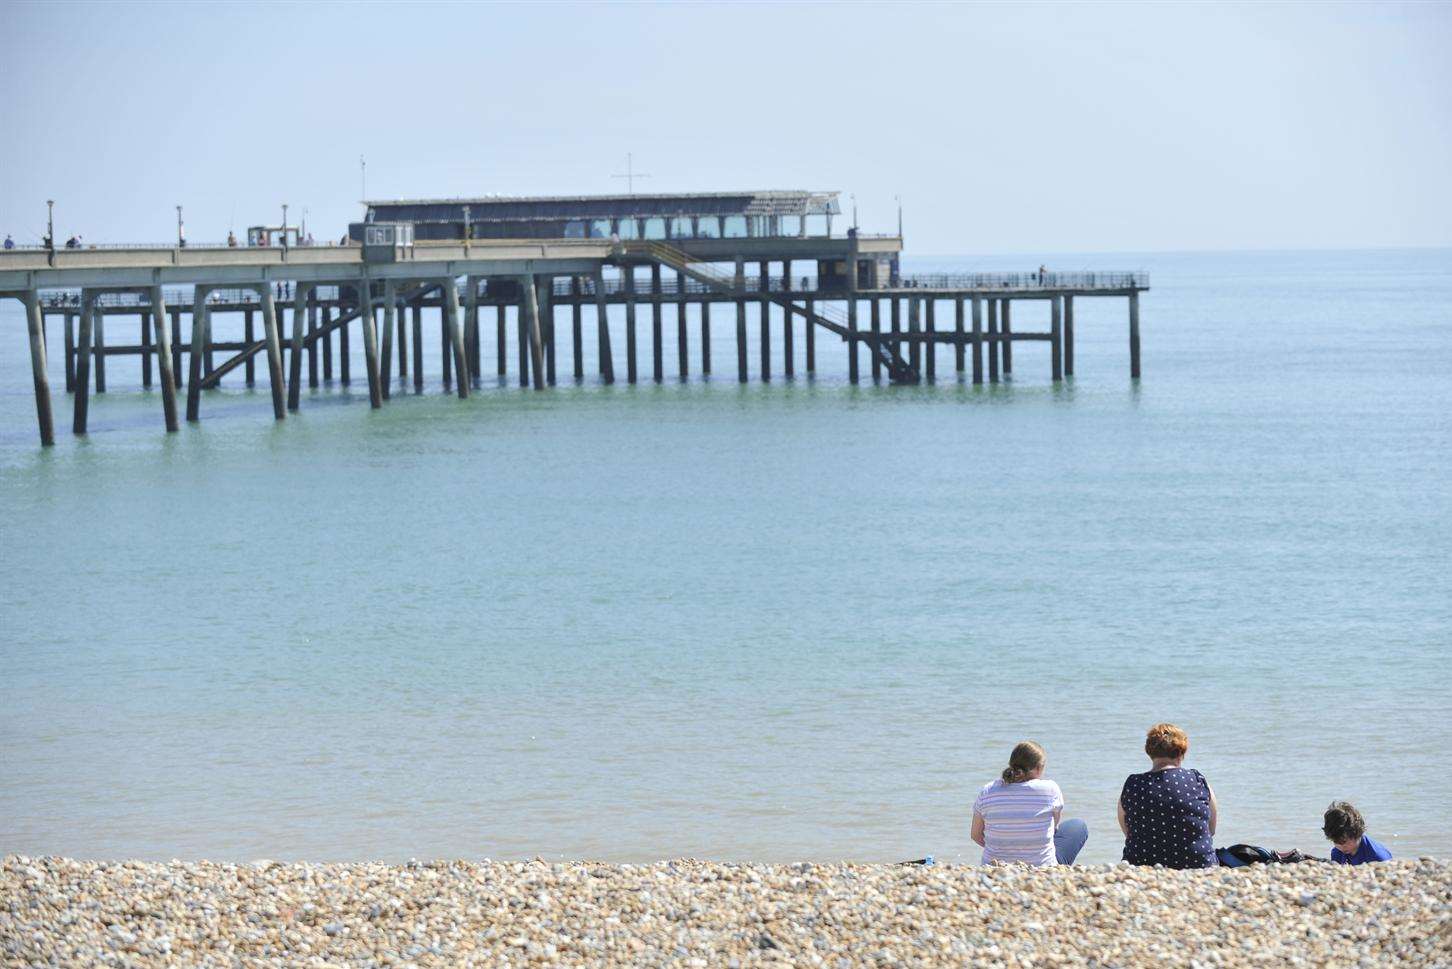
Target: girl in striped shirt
1016,818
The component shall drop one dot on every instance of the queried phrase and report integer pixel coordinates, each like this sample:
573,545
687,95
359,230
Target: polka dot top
1168,815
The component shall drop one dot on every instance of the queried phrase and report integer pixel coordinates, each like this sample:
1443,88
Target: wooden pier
380,293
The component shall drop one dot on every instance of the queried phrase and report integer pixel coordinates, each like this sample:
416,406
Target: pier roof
511,208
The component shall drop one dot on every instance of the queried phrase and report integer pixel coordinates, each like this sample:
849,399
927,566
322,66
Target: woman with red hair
1168,813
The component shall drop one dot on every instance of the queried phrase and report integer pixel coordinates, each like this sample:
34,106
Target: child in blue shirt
1346,829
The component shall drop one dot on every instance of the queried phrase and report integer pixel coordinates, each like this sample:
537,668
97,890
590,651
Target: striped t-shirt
1018,821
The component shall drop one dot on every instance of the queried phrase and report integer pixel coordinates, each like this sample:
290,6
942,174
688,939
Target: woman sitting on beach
1168,813
1016,818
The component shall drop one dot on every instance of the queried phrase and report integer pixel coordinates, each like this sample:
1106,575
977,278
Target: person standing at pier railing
1168,813
9,242
1017,817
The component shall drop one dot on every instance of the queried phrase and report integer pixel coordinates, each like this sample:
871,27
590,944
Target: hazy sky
1005,128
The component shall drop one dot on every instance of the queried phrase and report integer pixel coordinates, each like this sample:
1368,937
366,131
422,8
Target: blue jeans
1069,840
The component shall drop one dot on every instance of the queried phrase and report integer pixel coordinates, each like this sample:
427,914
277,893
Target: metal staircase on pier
830,317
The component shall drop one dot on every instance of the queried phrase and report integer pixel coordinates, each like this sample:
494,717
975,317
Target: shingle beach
62,912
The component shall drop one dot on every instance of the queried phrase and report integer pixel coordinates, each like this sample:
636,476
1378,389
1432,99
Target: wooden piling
915,346
977,340
1134,335
536,338
501,362
345,355
370,345
471,324
81,401
274,354
446,346
576,326
164,358
1069,335
402,312
195,360
449,300
876,310
628,279
602,330
145,322
1056,337
764,314
521,337
897,325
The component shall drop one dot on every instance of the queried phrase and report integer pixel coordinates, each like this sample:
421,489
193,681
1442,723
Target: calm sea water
799,620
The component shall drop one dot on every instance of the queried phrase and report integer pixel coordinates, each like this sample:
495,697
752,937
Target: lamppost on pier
50,223
284,225
181,235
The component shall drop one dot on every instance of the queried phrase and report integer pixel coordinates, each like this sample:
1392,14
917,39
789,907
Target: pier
768,259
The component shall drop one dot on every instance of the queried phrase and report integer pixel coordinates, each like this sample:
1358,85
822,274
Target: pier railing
1085,279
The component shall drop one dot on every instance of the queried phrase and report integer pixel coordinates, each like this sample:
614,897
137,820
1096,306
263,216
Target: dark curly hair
1342,822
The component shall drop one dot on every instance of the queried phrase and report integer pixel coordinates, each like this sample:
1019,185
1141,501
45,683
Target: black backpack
1238,856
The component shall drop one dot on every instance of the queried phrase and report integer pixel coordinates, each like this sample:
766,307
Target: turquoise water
786,621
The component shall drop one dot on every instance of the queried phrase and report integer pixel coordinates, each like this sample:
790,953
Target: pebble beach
64,912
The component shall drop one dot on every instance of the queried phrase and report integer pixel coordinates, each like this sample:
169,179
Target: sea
774,621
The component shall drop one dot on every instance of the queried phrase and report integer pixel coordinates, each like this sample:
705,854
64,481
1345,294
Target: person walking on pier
9,242
231,239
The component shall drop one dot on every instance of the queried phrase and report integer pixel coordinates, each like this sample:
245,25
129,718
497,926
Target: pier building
774,257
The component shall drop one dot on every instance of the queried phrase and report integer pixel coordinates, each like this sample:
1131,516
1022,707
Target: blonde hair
1166,740
1026,758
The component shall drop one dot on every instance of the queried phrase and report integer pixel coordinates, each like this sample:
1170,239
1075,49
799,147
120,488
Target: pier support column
274,354
69,343
370,345
1134,335
1056,338
875,308
100,349
545,288
416,312
196,361
449,298
576,328
164,359
1069,336
176,346
788,351
765,313
706,336
1006,336
81,402
741,340
299,333
896,322
683,350
401,309
656,309
326,339
521,337
810,326
958,348
602,330
977,340
536,338
312,338
35,327
915,346
471,324
930,346
345,353
146,347
628,278
446,346
993,341
501,353
385,363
